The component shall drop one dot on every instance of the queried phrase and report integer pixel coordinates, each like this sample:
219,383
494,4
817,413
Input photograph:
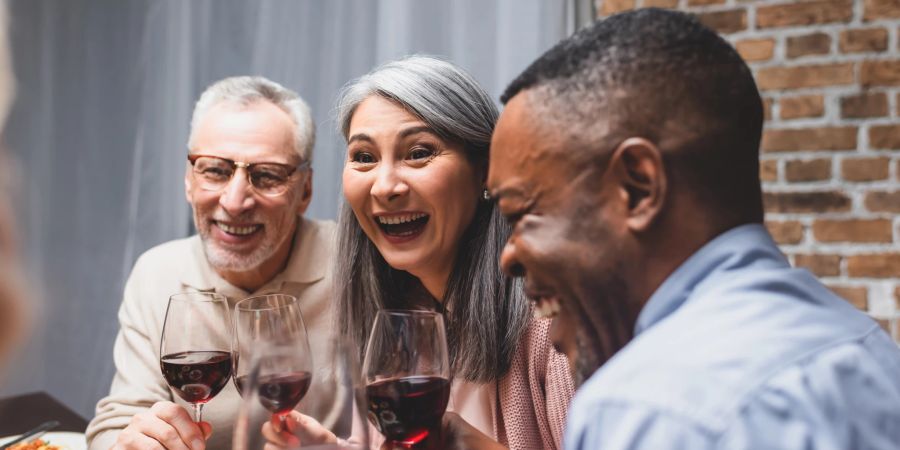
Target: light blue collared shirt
737,350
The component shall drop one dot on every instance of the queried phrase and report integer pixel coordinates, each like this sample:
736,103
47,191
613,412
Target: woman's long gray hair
486,312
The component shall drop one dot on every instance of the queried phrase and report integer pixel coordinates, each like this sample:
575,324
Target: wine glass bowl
279,390
195,347
340,366
269,330
407,370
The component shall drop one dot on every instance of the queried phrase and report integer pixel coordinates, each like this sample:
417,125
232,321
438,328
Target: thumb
206,428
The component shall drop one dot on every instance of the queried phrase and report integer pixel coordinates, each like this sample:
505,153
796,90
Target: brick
884,136
819,265
898,103
813,170
809,44
661,4
804,76
705,2
865,169
885,325
756,49
805,13
828,138
768,170
869,104
785,232
874,265
857,296
881,9
853,230
897,297
802,106
725,21
883,201
614,6
806,202
880,73
863,40
767,109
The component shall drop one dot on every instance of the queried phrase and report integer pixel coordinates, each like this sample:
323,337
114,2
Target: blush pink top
526,409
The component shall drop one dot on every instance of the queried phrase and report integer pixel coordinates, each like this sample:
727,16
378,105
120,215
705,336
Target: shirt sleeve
137,383
840,398
615,426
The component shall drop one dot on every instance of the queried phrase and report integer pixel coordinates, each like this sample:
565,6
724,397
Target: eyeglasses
269,179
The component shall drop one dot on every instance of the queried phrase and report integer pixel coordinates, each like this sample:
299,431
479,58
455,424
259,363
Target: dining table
24,412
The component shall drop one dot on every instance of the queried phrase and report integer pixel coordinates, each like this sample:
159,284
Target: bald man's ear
642,179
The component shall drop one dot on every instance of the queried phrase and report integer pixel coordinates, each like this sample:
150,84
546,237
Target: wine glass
406,371
342,364
272,322
195,347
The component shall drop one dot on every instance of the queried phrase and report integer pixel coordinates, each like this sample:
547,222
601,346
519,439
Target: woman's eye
362,157
421,153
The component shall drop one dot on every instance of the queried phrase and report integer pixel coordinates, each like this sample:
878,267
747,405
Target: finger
130,439
189,432
165,434
309,430
277,424
206,428
278,439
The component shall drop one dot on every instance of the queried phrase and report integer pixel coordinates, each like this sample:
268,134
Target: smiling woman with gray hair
418,231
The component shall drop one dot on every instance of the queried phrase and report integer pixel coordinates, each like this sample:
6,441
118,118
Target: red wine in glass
195,346
407,410
279,393
271,338
197,376
407,371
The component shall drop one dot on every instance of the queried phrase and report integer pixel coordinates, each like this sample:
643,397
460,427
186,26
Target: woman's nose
389,184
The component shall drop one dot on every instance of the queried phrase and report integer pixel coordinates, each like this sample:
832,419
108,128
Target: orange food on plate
37,444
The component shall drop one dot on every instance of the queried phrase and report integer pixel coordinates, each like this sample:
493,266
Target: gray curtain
105,91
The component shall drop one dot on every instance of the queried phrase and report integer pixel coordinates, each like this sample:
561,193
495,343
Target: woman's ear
638,166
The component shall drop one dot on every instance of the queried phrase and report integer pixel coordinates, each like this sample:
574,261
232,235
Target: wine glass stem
282,421
198,412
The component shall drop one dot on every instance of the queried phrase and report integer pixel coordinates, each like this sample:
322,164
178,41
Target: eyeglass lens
266,178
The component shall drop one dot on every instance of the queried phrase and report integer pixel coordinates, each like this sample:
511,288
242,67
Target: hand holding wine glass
269,330
407,371
256,428
196,347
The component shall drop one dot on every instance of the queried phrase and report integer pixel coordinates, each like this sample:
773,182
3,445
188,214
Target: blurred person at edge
626,161
252,240
12,313
419,232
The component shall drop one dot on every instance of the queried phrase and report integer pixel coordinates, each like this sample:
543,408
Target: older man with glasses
249,182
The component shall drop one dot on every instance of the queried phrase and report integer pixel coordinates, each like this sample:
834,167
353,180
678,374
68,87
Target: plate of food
53,440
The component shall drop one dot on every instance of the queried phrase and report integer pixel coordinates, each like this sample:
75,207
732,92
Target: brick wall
829,75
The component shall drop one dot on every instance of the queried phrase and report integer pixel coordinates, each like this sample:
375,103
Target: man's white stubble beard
223,259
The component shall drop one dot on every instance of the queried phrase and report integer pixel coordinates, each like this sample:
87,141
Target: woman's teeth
240,231
546,308
394,220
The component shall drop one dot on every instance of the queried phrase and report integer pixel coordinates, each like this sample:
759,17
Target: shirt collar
308,262
737,247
